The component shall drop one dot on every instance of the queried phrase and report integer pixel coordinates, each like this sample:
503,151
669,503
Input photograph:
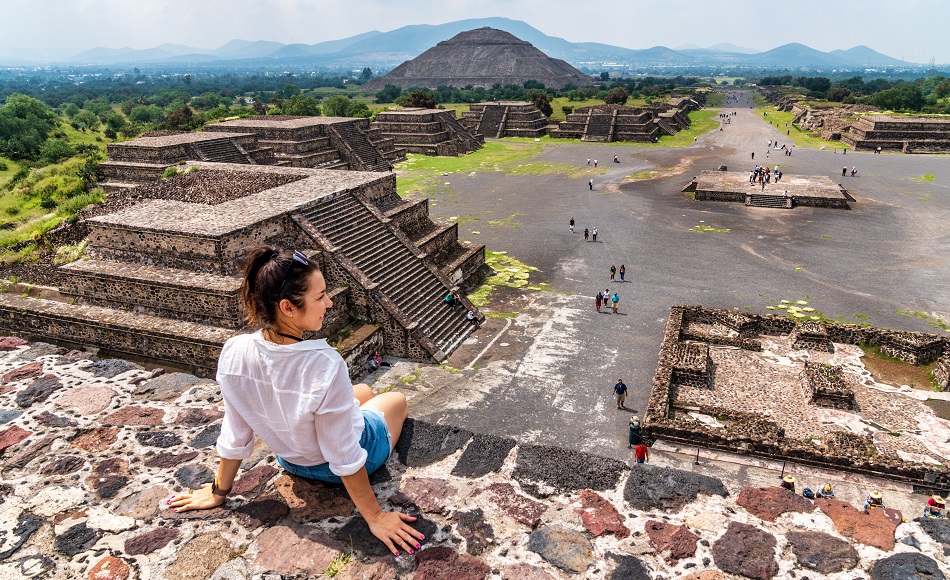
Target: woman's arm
390,527
202,498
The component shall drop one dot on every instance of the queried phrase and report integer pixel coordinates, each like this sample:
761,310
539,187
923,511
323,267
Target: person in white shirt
297,397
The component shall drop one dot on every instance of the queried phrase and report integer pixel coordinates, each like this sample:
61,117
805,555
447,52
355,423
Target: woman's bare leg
362,393
394,408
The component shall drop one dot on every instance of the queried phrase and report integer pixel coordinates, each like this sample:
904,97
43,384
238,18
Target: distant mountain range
384,50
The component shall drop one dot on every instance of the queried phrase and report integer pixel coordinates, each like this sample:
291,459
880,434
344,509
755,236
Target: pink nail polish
410,551
176,511
397,553
418,546
421,537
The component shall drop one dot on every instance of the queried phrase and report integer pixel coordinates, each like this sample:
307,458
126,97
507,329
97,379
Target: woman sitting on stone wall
296,395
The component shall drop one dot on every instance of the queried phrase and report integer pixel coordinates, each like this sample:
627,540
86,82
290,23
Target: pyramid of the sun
481,58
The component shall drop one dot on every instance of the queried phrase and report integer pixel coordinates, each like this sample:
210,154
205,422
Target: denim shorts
375,439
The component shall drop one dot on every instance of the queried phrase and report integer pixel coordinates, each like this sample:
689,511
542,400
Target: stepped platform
427,131
505,119
905,134
802,190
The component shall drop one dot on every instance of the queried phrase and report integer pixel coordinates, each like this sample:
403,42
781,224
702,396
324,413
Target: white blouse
298,398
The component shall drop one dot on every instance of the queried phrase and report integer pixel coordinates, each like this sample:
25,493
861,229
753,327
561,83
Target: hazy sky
911,29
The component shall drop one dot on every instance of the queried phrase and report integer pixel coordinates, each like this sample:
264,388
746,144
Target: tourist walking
572,225
595,163
450,300
590,184
297,397
854,171
598,299
588,160
586,234
753,155
593,234
633,437
613,272
641,453
614,302
620,392
844,171
623,270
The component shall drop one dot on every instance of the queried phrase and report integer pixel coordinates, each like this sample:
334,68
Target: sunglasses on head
298,258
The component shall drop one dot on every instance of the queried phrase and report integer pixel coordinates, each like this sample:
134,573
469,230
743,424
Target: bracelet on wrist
215,490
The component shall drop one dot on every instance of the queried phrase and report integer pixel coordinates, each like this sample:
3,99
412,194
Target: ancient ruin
793,388
791,191
427,131
904,134
505,119
315,142
621,123
481,58
159,279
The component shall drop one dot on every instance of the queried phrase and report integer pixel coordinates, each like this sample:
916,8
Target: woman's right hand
394,531
199,499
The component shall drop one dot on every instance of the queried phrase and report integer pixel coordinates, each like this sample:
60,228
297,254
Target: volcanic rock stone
38,349
9,415
32,452
150,541
650,487
35,566
87,400
521,508
907,566
144,504
16,527
73,356
193,475
872,528
484,454
677,540
110,568
199,558
76,539
168,387
821,552
27,371
428,494
524,572
109,486
746,550
561,547
216,513
441,563
160,439
38,391
628,568
261,511
11,343
253,481
106,521
705,575
170,459
95,440
296,550
48,419
564,470
939,530
382,569
64,465
310,501
112,367
477,532
707,521
768,503
11,436
207,437
422,443
196,417
135,417
53,500
599,516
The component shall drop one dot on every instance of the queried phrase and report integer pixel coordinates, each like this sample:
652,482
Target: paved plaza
546,376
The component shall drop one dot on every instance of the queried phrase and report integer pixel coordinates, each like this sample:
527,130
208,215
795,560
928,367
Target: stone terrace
91,449
734,186
505,119
759,400
905,134
427,131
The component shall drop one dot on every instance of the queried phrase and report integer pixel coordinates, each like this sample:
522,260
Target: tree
420,99
367,73
616,96
86,120
942,89
181,119
25,123
542,101
55,149
114,121
838,94
71,110
903,97
534,85
605,76
145,114
303,105
336,106
389,94
355,109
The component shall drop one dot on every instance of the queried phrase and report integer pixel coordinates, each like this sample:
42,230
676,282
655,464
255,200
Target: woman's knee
362,393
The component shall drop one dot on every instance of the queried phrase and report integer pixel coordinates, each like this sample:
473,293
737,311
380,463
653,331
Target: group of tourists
844,171
604,298
764,175
934,508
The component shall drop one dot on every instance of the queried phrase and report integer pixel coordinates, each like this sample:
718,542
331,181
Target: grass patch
705,228
893,371
508,222
927,178
779,119
501,315
338,563
643,175
508,271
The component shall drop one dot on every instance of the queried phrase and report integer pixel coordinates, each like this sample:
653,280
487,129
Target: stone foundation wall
358,348
941,372
469,268
412,216
441,241
134,173
729,196
168,155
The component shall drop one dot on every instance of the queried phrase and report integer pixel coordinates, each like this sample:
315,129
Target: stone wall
440,242
358,348
941,372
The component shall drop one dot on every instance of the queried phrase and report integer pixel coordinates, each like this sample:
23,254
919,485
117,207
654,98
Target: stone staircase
219,151
452,125
490,124
767,200
598,128
372,246
363,155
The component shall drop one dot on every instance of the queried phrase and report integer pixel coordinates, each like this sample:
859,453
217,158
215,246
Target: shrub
47,202
73,205
3,166
170,172
55,150
567,109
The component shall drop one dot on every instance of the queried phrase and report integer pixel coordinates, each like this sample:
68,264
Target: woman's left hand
199,499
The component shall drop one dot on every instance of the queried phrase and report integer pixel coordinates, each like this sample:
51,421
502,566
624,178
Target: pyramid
481,58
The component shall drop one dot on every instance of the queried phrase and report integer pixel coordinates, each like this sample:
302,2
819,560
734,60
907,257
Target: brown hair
271,275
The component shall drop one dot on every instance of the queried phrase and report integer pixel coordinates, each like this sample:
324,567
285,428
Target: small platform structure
791,191
506,119
904,134
427,131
